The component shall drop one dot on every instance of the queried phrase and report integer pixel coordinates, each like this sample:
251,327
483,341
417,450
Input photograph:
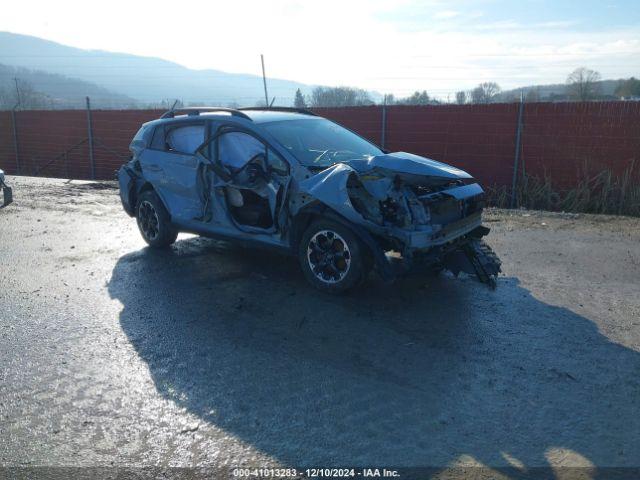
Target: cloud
515,25
396,47
444,14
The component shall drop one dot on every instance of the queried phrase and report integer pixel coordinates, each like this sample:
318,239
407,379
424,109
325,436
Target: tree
339,97
583,84
168,103
299,101
461,97
389,99
418,98
485,92
628,88
21,94
532,95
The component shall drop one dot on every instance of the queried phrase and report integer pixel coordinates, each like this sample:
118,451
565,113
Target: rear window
142,137
178,139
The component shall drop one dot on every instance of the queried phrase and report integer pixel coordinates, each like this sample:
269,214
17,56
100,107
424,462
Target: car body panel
174,177
408,163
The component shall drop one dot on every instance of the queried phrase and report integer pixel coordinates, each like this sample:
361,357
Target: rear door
172,167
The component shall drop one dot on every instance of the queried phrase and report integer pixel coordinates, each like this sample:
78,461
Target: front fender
330,188
383,266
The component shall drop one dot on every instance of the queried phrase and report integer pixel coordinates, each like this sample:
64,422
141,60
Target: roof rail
195,111
281,109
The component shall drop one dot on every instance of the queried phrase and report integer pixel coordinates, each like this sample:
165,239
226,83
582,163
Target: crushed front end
432,224
420,214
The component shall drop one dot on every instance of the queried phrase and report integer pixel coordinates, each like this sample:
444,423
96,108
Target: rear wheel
331,256
153,221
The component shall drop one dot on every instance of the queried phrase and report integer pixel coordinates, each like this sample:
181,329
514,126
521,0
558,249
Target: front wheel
331,256
153,221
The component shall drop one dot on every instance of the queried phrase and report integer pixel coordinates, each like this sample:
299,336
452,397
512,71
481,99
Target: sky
390,46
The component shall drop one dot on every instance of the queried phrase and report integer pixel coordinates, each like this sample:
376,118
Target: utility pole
264,81
15,127
15,79
383,136
516,159
90,138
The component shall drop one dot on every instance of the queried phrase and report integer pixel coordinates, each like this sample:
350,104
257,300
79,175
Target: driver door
250,179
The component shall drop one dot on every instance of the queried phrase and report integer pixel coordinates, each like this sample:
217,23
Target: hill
145,79
40,89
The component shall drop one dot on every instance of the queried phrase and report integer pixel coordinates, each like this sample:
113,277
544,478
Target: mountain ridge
146,79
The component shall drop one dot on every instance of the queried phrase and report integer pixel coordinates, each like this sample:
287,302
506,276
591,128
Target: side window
157,142
235,149
178,138
184,139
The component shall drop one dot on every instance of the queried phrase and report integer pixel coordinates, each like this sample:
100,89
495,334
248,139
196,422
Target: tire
332,258
153,221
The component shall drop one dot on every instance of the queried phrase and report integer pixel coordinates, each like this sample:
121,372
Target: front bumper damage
467,253
414,214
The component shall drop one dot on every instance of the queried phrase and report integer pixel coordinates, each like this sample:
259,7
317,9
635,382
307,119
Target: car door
173,168
237,156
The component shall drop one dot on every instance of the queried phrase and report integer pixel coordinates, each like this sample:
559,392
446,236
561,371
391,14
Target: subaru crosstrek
291,180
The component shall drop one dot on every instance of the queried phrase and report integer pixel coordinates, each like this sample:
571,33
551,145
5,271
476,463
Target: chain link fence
551,149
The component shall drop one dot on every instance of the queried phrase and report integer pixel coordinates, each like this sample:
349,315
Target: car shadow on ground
425,372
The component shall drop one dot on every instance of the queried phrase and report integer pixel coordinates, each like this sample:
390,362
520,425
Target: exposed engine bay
428,212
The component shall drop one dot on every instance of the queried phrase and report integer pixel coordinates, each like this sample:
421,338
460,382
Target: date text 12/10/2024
315,473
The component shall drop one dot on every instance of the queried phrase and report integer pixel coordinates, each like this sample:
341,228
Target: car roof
264,116
257,116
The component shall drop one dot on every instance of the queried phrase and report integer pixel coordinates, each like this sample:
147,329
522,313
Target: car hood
407,163
378,175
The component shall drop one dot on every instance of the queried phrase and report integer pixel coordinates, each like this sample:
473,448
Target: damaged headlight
420,212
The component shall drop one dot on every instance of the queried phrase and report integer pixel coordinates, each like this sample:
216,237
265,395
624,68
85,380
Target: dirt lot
207,354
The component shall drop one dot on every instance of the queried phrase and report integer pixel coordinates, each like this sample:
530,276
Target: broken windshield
319,142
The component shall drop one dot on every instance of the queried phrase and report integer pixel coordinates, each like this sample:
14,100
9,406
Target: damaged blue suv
291,180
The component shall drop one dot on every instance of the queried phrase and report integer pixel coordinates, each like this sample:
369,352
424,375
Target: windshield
320,142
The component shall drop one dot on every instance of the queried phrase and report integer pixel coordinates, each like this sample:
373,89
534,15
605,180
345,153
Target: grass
603,192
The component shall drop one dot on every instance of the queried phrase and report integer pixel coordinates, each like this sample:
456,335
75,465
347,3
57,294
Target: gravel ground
207,354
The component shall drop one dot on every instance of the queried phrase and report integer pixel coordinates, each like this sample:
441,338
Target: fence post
383,134
517,154
15,140
90,137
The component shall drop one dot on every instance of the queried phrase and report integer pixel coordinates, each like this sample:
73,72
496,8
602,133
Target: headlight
1,176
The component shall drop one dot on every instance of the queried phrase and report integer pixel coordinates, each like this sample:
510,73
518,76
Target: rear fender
128,180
